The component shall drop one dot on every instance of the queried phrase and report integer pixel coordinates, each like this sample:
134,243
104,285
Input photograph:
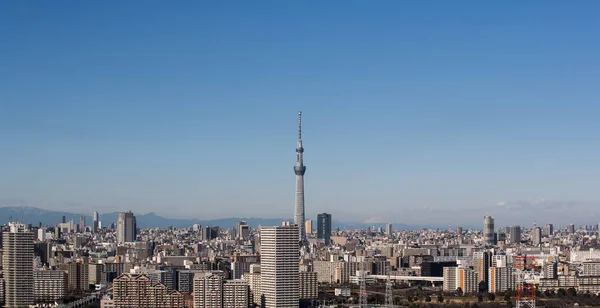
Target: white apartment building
280,266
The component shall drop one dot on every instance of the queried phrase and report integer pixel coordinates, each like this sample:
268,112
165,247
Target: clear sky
415,111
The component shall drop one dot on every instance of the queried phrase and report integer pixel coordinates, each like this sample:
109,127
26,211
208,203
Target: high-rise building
308,227
488,230
82,224
17,263
500,279
254,282
95,222
209,233
41,234
49,285
208,290
137,290
235,294
78,274
536,236
388,229
299,170
482,261
308,285
324,227
241,264
242,230
95,273
571,228
280,266
549,230
126,227
212,291
515,235
464,278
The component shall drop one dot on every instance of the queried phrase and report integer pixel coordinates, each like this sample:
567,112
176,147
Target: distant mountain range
34,216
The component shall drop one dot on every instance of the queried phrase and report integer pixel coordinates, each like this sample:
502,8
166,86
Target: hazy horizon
412,112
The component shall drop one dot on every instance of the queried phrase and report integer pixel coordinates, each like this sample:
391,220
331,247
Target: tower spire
299,125
299,170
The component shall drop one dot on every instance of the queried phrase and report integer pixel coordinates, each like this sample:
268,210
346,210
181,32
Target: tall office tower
17,263
536,236
243,230
548,230
571,228
126,227
64,219
324,227
388,229
82,224
488,230
49,285
515,235
482,261
300,169
308,226
238,228
95,222
279,267
459,230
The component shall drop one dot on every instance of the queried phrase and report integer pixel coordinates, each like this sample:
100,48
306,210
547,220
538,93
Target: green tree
428,298
561,292
480,297
440,298
571,292
491,296
507,297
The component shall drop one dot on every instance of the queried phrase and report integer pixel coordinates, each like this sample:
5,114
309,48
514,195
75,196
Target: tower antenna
299,125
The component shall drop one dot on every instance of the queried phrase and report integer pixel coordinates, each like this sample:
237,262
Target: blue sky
437,112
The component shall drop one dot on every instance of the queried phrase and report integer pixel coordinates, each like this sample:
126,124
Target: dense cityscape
153,154
304,263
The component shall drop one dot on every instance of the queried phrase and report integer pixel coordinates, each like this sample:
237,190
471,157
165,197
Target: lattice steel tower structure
525,290
299,170
363,286
389,293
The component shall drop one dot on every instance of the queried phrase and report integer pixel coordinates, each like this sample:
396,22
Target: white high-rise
280,259
17,263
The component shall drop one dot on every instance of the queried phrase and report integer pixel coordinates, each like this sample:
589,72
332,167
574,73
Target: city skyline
409,121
